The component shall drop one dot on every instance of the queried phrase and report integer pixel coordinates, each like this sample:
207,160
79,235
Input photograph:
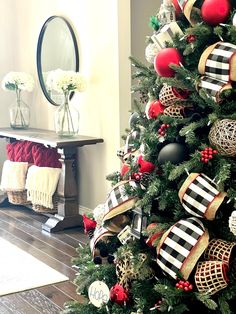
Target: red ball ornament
118,294
145,166
177,7
163,60
215,12
153,109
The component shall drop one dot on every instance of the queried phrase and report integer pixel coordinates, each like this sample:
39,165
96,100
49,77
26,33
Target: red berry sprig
207,154
137,176
162,129
184,285
191,38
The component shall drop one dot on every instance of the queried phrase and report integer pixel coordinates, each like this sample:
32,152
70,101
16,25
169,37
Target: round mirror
57,49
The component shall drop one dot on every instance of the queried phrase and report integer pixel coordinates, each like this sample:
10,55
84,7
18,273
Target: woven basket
18,197
42,209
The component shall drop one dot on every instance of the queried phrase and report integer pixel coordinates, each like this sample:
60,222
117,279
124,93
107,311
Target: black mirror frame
39,49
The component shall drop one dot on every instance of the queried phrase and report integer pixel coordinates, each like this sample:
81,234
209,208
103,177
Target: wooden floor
22,227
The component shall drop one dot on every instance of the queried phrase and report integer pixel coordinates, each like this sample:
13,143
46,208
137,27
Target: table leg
68,207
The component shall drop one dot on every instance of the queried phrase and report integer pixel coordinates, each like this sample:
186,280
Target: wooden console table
68,208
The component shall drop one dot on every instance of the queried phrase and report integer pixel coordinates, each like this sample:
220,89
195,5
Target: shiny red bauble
215,12
164,59
153,109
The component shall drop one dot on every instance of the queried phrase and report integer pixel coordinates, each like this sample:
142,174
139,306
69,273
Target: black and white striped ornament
181,247
200,197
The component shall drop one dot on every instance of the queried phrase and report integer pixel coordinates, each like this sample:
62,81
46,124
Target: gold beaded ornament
211,276
222,135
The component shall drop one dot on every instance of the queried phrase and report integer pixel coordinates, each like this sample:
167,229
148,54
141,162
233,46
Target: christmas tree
164,239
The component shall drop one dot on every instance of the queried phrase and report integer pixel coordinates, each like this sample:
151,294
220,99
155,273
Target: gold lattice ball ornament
170,96
211,276
222,135
150,52
232,222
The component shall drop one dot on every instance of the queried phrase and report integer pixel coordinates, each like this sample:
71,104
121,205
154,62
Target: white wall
103,59
103,30
141,11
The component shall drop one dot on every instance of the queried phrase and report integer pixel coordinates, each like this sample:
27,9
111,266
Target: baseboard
85,210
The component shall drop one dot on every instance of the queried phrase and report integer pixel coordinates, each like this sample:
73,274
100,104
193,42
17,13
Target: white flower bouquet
19,111
66,81
18,81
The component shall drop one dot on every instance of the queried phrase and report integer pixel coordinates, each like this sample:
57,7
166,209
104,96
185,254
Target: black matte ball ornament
173,152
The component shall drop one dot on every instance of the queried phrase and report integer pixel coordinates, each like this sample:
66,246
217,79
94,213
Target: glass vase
66,119
19,113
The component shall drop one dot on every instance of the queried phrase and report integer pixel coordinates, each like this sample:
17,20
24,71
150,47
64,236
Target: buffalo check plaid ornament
217,63
200,197
181,247
213,87
118,200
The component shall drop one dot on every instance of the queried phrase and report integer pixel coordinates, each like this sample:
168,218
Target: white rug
21,271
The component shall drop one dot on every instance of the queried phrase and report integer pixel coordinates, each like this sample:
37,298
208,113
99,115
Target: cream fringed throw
41,184
13,175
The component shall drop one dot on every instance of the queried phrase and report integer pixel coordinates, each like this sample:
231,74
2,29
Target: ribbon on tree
217,63
213,87
166,34
118,200
200,197
181,246
187,9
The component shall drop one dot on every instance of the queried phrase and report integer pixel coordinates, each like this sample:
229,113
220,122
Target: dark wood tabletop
48,137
